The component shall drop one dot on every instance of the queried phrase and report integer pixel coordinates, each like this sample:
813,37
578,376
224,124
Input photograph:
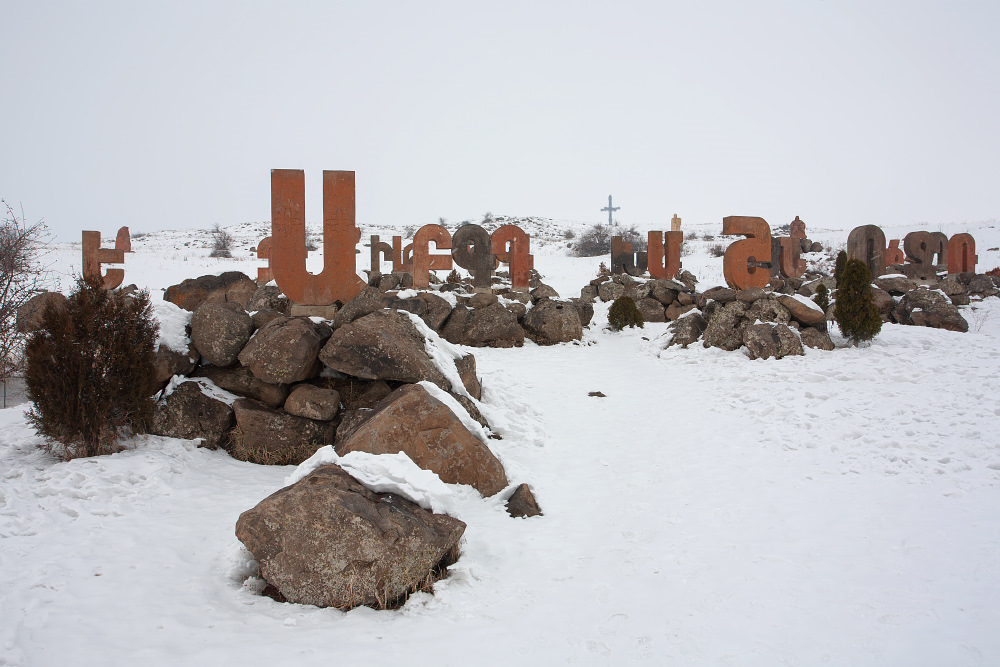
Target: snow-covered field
838,508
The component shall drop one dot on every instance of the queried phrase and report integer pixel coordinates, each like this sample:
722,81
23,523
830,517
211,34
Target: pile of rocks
931,303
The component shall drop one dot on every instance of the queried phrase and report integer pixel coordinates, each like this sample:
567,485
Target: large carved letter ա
664,253
339,280
423,261
742,263
94,255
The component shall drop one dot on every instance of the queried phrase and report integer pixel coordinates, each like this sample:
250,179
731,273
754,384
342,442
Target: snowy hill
833,508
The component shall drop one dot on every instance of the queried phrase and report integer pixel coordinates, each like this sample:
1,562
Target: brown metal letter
123,241
867,243
380,249
339,280
962,254
512,245
742,262
664,258
423,261
94,255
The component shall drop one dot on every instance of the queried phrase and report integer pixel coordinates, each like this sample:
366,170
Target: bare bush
597,240
717,250
222,242
20,272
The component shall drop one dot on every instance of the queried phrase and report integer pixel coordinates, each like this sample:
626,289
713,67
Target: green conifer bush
839,267
90,370
855,309
822,298
624,313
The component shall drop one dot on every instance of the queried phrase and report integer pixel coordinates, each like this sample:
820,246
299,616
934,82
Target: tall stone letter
664,253
962,254
747,262
339,280
423,261
512,245
867,243
380,249
920,248
94,255
264,273
472,249
123,241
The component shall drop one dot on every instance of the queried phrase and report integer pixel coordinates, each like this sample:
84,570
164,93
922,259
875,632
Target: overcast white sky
171,115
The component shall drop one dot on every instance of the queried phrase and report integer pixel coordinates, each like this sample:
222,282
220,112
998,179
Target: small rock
311,402
522,503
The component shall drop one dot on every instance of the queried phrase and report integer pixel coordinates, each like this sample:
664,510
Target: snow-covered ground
838,508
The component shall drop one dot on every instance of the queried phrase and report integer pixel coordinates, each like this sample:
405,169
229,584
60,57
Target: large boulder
687,329
725,326
895,284
884,302
551,322
927,308
982,285
269,297
609,291
231,286
329,541
411,420
29,315
771,340
240,381
306,400
285,350
190,413
651,309
219,331
585,309
271,437
808,314
383,345
366,302
168,363
493,326
467,373
816,338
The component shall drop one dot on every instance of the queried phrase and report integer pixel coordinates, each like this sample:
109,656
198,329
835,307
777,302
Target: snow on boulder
188,411
329,541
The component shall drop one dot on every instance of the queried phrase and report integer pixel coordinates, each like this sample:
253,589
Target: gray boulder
29,315
311,402
551,322
269,297
651,309
271,437
801,312
725,327
191,414
522,503
240,381
771,340
329,541
895,285
493,326
167,363
609,291
285,350
926,308
219,331
687,330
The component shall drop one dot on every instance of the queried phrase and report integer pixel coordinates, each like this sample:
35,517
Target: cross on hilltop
610,209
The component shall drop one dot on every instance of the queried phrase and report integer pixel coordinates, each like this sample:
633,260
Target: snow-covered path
837,508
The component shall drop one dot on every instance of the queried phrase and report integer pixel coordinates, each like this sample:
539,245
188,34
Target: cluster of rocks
931,303
292,384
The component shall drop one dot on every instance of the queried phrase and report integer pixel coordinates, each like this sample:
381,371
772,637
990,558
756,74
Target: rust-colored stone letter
867,243
962,254
123,241
94,255
894,254
339,280
423,261
747,262
664,253
512,245
264,273
380,249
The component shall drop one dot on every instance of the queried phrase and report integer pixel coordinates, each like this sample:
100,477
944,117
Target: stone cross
610,209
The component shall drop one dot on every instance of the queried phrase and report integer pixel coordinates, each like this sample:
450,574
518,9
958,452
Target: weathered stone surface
588,293
329,541
687,330
585,309
750,295
384,345
522,503
493,326
721,294
686,299
651,309
387,282
951,286
519,310
895,285
482,300
771,340
269,297
543,292
638,291
284,351
311,402
813,337
262,317
168,363
270,437
467,372
960,299
688,279
725,327
231,286
801,312
29,315
983,285
551,322
189,413
884,302
240,381
675,311
219,331
412,421
927,308
368,301
768,309
610,291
